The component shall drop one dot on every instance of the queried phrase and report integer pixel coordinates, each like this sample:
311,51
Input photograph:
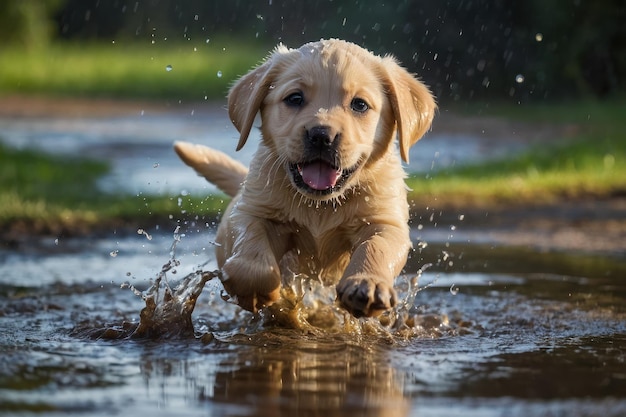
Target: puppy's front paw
365,296
254,284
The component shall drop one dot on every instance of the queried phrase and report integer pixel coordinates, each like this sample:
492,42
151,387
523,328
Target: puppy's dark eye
359,105
294,100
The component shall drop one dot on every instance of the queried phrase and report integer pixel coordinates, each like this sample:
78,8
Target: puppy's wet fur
326,183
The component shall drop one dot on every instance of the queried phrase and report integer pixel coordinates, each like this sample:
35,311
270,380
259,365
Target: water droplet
219,74
454,290
114,253
156,165
539,37
519,78
461,217
56,241
143,232
168,68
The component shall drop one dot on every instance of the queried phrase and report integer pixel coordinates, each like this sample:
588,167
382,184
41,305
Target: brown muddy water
482,331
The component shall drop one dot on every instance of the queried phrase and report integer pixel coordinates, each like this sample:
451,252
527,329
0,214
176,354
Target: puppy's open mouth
319,177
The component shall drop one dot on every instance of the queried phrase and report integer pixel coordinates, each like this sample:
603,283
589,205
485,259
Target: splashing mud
306,305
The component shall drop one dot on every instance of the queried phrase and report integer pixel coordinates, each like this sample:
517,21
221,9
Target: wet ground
498,325
493,331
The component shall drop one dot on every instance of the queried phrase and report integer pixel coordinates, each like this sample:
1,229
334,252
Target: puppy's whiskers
274,162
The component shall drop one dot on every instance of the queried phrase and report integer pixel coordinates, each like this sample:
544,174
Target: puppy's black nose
320,136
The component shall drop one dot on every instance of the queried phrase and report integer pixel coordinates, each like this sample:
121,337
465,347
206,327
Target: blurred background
464,49
531,99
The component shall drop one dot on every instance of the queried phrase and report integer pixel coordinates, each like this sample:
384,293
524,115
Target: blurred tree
28,22
463,48
585,44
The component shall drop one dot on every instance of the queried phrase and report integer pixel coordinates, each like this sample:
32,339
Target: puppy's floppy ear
412,103
245,99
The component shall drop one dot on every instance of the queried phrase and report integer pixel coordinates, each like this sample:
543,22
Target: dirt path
590,226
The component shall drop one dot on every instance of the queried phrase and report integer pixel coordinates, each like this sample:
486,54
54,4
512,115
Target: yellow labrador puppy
326,183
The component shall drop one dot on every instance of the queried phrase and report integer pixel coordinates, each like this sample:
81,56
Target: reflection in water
522,333
312,378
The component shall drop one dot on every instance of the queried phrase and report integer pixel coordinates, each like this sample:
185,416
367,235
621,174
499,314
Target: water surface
495,331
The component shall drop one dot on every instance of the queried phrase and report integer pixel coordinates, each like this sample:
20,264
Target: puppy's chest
322,238
321,253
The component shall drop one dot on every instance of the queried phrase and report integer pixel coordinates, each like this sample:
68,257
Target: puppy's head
329,109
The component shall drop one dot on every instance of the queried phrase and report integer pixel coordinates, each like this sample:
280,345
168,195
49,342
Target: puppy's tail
217,167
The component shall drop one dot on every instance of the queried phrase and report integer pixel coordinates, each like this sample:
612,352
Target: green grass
580,168
129,70
590,164
43,193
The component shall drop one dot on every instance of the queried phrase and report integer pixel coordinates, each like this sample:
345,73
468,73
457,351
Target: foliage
192,71
28,23
522,51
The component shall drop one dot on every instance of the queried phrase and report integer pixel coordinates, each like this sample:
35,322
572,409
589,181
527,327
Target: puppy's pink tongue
319,175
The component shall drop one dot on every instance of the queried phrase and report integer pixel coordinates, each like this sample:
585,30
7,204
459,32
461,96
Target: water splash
309,305
167,313
306,305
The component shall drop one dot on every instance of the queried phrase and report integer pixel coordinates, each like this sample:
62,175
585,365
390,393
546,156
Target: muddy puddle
491,331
